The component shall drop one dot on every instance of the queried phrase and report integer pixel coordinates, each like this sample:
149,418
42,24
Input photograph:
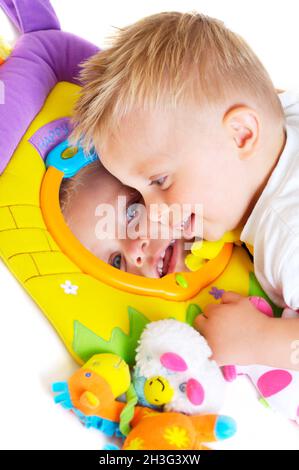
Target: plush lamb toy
174,370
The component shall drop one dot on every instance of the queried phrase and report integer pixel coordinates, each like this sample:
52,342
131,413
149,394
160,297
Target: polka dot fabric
279,388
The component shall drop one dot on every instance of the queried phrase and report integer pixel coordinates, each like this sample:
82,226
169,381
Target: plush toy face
112,369
158,391
90,393
174,362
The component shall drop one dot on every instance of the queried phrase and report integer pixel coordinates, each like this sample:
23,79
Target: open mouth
167,261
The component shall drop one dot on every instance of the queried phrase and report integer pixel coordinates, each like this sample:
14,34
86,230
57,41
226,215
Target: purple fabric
50,135
31,15
40,60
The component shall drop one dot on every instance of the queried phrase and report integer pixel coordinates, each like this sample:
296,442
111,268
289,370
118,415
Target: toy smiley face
157,390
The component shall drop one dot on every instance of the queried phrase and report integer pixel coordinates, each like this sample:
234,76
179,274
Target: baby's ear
242,125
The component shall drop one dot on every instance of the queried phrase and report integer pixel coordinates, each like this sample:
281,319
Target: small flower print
69,288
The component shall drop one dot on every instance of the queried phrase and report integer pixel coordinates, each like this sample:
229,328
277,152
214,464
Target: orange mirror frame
166,287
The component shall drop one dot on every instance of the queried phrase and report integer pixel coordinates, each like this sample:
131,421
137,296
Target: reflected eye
133,207
116,261
159,181
132,211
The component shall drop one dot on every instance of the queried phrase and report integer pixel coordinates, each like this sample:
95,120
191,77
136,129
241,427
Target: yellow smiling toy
158,391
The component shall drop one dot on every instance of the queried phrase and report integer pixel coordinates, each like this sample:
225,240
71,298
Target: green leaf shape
192,311
86,343
256,289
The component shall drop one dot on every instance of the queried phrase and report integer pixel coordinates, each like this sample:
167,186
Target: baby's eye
115,261
159,181
132,211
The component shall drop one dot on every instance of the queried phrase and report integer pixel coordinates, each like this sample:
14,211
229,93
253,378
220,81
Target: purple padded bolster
39,60
30,15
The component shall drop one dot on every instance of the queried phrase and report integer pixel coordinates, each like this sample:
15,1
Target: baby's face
182,157
106,208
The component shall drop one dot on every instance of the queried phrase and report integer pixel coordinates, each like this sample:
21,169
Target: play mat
94,307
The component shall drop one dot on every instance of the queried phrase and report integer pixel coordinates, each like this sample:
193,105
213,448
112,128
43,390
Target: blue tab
69,159
59,387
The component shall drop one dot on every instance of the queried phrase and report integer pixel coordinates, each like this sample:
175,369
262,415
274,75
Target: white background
32,354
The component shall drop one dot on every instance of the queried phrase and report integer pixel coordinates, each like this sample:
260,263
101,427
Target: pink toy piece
262,305
195,392
273,382
173,361
229,373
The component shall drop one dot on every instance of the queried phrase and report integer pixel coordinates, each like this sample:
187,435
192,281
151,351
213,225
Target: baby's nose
138,252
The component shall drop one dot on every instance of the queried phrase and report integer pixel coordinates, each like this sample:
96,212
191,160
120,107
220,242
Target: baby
90,197
180,108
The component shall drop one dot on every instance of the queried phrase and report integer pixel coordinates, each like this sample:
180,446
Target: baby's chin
214,235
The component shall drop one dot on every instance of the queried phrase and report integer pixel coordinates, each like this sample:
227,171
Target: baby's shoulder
280,226
290,102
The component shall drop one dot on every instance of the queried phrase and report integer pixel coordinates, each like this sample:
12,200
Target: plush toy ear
195,392
173,361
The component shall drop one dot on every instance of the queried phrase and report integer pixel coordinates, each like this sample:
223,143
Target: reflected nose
137,251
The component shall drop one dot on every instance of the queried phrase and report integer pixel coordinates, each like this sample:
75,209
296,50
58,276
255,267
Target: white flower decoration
69,288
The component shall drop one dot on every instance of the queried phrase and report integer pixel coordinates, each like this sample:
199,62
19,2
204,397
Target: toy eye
182,387
88,374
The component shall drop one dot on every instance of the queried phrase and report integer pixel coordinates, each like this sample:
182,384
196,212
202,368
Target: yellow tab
207,250
89,399
193,263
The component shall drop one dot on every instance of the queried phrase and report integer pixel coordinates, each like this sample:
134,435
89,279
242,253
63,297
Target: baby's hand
234,329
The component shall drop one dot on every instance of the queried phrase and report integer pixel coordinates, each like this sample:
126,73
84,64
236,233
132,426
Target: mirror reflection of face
141,255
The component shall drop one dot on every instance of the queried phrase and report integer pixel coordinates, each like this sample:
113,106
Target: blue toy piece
63,397
69,159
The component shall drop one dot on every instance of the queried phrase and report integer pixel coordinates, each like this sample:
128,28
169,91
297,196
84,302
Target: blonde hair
70,186
165,60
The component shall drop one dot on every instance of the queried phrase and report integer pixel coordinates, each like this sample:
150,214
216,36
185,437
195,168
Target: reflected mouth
167,260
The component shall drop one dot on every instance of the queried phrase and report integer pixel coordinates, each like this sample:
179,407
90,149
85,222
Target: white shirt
273,226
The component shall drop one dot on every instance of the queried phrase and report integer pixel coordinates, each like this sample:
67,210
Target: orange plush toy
153,430
91,394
